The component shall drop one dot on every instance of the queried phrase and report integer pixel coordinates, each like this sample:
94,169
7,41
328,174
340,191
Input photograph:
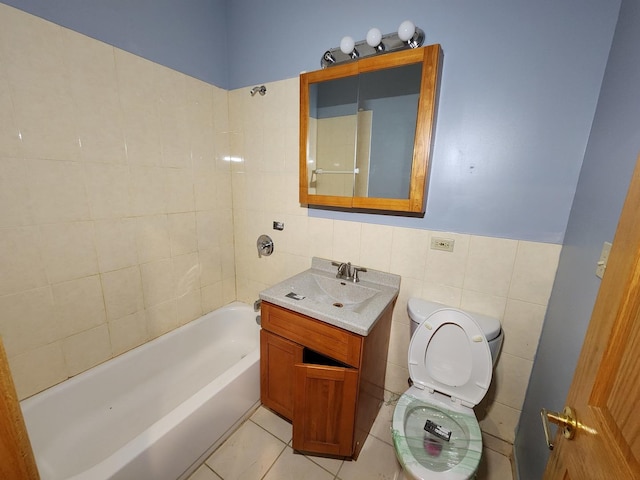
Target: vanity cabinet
327,381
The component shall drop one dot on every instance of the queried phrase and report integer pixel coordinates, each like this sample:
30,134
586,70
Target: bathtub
154,412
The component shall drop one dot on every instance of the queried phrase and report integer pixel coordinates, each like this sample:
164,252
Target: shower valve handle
265,246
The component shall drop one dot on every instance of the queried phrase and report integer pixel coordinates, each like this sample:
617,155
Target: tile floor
261,449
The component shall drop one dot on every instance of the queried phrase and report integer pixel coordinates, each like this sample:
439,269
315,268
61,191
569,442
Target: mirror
365,132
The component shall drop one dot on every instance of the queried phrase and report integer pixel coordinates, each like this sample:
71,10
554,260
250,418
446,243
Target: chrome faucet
348,272
344,271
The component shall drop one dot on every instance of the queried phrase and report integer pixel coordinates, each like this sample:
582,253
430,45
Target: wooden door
605,392
277,359
16,457
324,409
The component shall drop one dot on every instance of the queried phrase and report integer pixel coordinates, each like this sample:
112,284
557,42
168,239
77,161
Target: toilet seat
450,354
450,364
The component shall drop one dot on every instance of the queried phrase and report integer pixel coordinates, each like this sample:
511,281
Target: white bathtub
154,412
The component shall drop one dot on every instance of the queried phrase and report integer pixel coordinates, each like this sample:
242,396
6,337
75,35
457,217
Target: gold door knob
567,420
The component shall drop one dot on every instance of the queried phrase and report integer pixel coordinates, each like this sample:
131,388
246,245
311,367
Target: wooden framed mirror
366,132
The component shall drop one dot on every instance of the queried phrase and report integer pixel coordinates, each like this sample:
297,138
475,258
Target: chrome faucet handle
344,269
357,270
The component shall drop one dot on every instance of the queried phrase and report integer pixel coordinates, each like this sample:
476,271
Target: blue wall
611,154
519,85
188,36
519,89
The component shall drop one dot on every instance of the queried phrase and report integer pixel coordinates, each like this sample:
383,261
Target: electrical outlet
601,266
444,244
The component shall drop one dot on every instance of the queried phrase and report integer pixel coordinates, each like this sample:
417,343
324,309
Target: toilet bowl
435,431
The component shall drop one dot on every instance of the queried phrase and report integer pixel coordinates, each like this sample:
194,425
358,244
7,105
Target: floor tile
204,473
257,450
377,460
247,454
381,428
273,423
293,466
494,466
330,464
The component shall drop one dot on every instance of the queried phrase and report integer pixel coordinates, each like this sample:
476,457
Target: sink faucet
347,271
344,271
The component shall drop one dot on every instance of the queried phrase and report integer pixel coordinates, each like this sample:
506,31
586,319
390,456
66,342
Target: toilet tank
419,309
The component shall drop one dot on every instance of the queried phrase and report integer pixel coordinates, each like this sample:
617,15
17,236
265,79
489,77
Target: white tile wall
116,220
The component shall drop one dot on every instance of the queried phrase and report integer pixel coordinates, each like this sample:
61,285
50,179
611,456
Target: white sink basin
317,293
337,292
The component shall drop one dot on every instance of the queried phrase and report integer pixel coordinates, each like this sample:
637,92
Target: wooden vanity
328,381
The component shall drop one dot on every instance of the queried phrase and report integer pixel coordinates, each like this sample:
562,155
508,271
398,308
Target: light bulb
374,36
347,45
406,30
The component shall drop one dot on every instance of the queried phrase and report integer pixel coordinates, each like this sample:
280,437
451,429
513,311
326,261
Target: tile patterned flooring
261,449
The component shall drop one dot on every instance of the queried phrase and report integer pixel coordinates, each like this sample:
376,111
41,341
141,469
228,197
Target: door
16,457
277,358
324,409
605,391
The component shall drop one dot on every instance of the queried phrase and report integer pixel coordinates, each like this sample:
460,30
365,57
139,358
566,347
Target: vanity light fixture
407,36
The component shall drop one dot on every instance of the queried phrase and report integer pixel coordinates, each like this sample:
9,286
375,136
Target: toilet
451,357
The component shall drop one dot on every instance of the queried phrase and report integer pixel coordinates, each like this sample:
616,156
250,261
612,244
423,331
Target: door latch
566,420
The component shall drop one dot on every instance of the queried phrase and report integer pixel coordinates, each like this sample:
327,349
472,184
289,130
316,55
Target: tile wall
508,279
131,198
116,217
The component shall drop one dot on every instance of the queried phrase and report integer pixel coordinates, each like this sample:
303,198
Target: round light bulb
347,45
406,30
374,36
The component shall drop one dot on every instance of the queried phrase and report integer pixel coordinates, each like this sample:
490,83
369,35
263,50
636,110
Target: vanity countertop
317,293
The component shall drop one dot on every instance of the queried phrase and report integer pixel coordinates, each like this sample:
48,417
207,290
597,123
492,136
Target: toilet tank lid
419,309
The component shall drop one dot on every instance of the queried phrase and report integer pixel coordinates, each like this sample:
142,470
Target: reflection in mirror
333,110
366,132
391,97
363,152
361,133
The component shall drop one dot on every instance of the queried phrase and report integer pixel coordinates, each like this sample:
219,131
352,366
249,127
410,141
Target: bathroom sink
317,293
340,293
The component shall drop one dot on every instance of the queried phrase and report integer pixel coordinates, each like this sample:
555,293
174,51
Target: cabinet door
277,359
324,409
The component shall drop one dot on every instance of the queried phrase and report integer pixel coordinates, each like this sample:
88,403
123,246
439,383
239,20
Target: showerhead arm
261,90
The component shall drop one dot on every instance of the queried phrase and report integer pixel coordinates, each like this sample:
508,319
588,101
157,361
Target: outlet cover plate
444,244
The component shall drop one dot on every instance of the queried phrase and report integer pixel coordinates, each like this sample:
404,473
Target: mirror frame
430,57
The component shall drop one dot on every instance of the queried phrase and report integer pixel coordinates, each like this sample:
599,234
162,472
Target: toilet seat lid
449,354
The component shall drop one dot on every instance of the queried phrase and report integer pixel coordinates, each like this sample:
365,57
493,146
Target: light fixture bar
407,36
